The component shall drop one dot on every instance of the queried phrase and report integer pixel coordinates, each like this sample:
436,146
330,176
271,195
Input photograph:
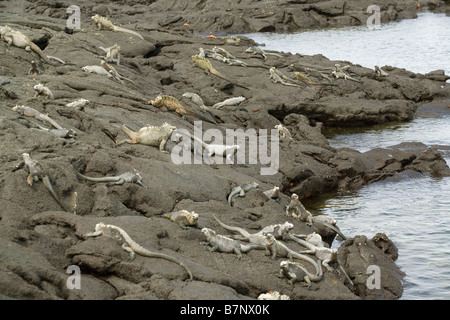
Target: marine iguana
33,113
104,23
225,244
206,65
295,271
273,295
229,102
223,150
35,69
112,54
155,136
276,249
279,231
62,133
223,55
78,104
303,78
132,246
261,52
380,72
196,99
255,238
36,173
20,40
126,177
101,71
241,190
223,52
324,254
114,72
295,209
311,71
183,218
277,77
283,132
44,91
231,40
339,72
273,193
165,102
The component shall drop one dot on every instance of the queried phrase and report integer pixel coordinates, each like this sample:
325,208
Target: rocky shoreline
39,241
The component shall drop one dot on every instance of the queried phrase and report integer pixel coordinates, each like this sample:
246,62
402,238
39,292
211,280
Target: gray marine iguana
225,244
279,231
241,190
33,113
295,271
296,210
126,177
132,246
324,254
276,248
36,173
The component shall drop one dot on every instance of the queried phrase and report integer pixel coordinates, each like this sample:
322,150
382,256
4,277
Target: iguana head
284,265
208,232
287,226
100,226
169,128
270,238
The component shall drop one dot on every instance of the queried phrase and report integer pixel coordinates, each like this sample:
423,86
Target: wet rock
371,268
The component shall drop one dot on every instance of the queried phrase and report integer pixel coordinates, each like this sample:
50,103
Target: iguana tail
335,229
204,145
116,28
243,232
301,241
202,117
49,186
231,195
38,50
219,75
310,260
169,258
103,179
130,133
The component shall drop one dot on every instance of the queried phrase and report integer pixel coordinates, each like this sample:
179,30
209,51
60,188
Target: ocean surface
415,212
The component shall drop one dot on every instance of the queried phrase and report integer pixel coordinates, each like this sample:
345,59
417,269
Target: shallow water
414,213
419,45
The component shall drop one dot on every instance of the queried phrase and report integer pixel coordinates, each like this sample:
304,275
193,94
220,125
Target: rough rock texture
38,241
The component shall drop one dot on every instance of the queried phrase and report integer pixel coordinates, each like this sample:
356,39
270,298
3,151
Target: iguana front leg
127,248
162,146
93,234
238,253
